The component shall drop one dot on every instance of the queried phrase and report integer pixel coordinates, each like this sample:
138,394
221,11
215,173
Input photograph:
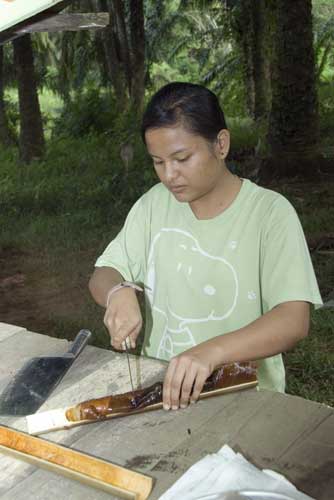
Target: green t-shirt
205,278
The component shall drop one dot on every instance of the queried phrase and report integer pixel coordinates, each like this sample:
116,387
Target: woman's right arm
101,282
122,318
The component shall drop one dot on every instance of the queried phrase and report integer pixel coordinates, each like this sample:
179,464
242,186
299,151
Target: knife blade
38,377
126,348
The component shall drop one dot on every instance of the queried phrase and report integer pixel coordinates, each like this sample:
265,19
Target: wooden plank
90,361
272,430
140,441
68,22
160,444
95,372
7,330
102,378
260,432
283,419
22,346
12,473
218,429
76,465
43,485
315,471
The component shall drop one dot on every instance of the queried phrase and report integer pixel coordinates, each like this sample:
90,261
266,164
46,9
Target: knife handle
79,342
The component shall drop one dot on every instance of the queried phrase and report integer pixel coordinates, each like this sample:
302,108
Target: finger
108,323
176,384
198,386
166,397
123,331
130,341
187,386
134,335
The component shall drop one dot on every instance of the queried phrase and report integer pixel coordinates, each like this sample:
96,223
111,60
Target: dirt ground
31,298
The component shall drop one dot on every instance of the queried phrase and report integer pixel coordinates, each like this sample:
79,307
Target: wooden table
286,433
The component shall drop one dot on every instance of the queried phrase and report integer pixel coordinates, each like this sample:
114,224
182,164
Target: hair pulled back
180,103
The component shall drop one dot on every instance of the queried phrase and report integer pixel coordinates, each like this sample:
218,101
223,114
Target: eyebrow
174,153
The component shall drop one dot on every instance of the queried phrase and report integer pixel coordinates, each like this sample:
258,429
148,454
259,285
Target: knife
38,377
126,348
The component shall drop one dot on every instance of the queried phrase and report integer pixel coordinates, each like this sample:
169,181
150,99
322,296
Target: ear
223,143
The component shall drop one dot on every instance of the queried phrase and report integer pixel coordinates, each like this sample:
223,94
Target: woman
224,263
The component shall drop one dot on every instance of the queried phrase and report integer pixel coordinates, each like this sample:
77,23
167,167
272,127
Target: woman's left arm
276,331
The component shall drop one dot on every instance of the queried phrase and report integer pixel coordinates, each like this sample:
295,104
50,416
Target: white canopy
15,11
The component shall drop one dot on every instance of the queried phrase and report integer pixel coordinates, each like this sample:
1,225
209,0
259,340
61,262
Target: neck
219,199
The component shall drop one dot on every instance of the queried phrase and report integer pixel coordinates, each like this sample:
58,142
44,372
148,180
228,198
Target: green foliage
88,112
75,174
244,133
198,47
326,109
310,366
12,115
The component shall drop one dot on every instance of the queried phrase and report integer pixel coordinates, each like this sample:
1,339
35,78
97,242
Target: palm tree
293,136
31,140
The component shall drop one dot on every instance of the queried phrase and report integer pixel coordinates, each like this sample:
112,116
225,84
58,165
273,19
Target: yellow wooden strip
77,465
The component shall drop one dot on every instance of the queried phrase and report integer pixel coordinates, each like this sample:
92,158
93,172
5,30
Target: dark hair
194,106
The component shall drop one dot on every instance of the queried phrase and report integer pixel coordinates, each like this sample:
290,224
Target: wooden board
288,434
68,22
75,465
7,330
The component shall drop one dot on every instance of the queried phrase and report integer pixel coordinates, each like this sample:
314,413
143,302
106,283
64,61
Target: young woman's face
187,164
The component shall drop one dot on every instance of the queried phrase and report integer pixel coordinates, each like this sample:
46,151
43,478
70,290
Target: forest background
72,161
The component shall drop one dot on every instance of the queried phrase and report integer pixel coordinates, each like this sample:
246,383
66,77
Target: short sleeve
126,253
287,272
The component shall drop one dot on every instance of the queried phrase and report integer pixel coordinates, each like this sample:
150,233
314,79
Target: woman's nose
171,172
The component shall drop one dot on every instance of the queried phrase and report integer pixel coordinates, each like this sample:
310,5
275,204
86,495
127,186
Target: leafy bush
75,174
89,112
326,107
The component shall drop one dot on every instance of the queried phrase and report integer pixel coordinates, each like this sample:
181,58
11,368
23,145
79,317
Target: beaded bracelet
124,284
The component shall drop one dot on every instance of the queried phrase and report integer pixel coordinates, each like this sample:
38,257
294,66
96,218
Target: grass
310,366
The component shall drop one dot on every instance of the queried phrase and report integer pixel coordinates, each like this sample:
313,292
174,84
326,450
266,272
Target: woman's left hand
187,373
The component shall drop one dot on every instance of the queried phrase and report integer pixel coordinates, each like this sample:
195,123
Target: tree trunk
31,128
293,136
252,28
118,12
112,51
261,58
137,53
6,138
124,43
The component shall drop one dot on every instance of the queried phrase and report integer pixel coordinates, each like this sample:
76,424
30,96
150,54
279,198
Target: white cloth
227,471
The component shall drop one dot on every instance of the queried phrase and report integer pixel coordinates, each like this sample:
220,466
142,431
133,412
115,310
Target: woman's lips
177,189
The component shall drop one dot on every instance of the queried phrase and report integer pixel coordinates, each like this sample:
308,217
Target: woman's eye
157,162
183,159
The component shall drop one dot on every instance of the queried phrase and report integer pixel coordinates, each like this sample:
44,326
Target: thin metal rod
129,366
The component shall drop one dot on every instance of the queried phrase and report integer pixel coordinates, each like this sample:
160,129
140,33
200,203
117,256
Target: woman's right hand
123,317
